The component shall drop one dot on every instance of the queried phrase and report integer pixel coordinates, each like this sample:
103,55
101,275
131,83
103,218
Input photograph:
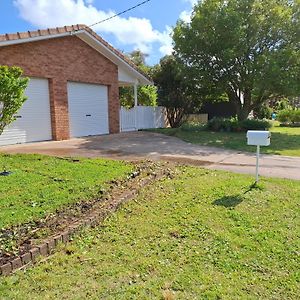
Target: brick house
74,83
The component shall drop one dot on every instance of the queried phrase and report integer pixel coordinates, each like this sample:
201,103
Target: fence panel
127,119
141,117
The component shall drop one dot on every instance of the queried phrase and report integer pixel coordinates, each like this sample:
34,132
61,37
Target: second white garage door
88,109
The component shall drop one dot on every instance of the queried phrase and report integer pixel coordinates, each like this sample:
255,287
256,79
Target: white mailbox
258,138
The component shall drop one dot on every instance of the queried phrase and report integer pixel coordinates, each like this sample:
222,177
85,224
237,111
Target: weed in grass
168,295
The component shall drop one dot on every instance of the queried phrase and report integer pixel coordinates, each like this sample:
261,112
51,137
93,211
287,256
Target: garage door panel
13,136
88,109
34,121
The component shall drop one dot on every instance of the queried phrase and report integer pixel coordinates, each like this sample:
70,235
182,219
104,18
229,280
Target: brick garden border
92,220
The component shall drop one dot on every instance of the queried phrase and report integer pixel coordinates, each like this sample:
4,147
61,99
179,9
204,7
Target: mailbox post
258,138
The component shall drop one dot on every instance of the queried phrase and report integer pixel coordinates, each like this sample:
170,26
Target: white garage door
33,121
88,109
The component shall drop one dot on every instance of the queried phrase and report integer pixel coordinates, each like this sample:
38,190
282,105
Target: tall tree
138,57
12,87
248,49
175,92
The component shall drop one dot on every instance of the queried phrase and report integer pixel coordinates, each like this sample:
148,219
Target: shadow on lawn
229,201
234,200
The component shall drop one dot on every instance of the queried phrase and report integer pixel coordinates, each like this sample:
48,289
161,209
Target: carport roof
86,34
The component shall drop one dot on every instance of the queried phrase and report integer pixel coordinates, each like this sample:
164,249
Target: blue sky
146,28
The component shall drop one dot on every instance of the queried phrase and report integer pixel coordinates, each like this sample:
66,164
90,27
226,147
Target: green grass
39,184
284,140
203,235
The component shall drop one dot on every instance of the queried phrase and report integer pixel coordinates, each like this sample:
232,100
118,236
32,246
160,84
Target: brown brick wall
61,60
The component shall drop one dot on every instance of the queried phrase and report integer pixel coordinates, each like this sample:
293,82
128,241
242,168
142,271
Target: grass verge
39,185
202,235
284,140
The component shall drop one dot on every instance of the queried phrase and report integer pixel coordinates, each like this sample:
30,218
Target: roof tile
34,33
23,35
12,36
53,31
44,32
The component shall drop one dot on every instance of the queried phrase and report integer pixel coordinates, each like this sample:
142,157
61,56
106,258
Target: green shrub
263,112
220,124
284,116
295,118
254,124
232,124
289,116
192,126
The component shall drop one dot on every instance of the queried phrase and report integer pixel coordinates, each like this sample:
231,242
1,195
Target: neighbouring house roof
87,35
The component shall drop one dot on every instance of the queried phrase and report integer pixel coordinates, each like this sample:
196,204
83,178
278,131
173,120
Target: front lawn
202,235
284,140
39,184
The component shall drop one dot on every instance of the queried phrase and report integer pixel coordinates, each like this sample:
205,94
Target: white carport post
135,91
135,94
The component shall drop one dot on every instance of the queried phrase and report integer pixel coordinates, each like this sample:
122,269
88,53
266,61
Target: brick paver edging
94,219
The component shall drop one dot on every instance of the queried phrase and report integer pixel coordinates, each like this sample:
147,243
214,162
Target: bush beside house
234,125
289,117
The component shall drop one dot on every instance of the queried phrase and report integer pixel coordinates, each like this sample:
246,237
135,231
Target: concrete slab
146,145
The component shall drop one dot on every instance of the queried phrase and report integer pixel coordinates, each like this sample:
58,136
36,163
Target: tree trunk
243,113
242,109
246,106
233,98
175,116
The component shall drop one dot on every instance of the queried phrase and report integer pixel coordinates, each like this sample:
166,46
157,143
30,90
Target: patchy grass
203,235
284,140
39,184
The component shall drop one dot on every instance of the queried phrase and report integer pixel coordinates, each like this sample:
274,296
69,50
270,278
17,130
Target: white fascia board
33,39
97,45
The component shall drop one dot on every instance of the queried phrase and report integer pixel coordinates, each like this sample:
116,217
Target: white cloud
192,2
166,41
136,32
186,14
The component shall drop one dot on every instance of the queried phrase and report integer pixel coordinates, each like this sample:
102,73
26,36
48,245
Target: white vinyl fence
142,117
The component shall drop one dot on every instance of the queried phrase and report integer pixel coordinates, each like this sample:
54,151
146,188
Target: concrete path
139,145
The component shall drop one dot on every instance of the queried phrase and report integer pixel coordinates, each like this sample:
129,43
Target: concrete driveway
140,145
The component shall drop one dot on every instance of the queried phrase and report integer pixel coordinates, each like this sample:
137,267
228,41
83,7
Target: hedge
289,116
233,125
